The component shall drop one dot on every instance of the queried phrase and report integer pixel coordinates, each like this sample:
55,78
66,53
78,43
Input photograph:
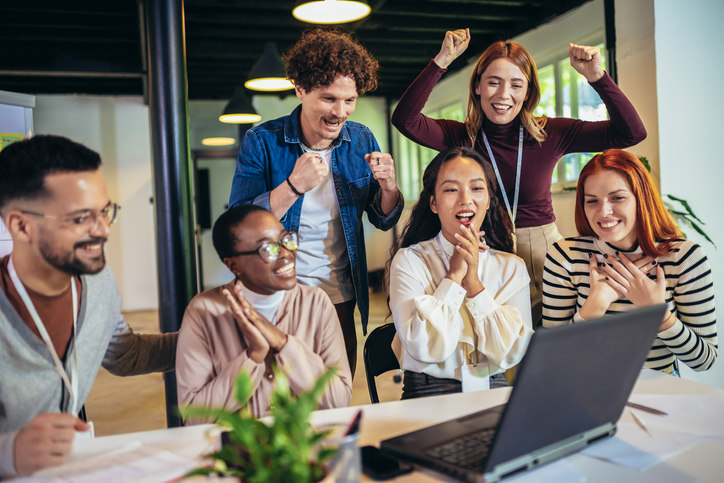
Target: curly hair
321,54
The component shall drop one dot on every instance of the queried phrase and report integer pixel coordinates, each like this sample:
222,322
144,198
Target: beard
68,262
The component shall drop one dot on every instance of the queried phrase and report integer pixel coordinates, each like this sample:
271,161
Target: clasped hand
464,261
259,334
625,278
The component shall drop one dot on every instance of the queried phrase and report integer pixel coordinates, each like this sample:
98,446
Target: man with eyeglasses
319,173
60,310
260,319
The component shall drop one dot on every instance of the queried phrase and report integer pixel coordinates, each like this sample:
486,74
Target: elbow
398,119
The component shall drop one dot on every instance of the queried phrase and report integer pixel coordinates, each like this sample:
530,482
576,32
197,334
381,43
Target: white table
704,462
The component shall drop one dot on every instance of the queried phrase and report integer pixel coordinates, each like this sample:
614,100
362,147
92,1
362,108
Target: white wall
689,70
116,127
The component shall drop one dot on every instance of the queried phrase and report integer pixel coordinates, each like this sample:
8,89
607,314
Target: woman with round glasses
630,253
260,319
522,147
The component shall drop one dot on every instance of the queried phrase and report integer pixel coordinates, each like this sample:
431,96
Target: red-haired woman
524,149
632,254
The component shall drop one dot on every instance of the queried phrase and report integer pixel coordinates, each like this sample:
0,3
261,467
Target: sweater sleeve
429,325
409,120
130,354
197,380
559,293
503,325
623,129
304,365
7,454
693,337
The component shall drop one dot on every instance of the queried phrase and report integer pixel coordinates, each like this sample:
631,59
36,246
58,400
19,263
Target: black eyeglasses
269,251
86,219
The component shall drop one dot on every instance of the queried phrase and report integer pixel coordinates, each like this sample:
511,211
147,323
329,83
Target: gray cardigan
29,382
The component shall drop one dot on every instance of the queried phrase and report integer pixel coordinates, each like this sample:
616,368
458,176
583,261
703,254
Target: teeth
610,224
465,216
501,106
285,269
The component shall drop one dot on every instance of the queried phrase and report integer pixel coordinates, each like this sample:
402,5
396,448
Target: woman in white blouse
459,301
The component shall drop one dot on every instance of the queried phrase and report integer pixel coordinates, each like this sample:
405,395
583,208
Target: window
566,93
413,158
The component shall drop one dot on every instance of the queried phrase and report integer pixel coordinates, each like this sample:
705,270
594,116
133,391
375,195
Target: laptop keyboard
468,451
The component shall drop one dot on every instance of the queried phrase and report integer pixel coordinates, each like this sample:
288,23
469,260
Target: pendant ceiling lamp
268,73
239,110
330,11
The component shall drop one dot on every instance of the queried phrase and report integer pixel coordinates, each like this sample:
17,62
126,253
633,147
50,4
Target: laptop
570,390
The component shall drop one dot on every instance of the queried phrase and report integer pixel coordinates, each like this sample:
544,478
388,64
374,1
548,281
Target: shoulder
508,261
572,249
208,303
416,254
684,252
102,284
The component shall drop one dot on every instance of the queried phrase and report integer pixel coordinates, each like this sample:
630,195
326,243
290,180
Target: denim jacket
267,156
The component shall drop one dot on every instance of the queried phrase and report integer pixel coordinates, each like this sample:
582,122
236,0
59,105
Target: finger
235,307
660,278
592,264
614,274
620,289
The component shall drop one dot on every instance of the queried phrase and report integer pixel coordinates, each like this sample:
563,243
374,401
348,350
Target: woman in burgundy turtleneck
504,91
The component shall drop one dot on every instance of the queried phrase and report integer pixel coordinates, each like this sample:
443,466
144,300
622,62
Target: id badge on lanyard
70,379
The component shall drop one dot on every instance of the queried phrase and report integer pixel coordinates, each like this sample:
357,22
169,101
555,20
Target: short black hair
221,234
25,164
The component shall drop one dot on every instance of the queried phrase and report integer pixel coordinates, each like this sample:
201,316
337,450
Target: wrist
595,77
442,61
293,188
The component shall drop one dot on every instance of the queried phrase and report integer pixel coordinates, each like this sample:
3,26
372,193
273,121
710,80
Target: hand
454,44
587,61
631,281
45,441
482,244
257,346
468,248
601,295
275,337
309,170
383,169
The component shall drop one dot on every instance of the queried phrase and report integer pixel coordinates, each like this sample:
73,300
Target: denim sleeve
249,184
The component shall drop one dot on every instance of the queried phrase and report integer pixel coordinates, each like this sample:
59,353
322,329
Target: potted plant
287,449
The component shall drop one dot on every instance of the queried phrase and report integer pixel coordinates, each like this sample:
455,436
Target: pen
647,409
640,423
354,424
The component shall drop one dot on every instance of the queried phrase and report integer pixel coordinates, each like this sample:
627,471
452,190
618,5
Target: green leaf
243,388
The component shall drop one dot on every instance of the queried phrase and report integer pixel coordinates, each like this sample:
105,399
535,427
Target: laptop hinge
549,453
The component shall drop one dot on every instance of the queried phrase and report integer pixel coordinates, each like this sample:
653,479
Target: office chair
378,356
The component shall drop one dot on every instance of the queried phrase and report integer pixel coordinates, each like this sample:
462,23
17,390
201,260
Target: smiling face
325,110
256,274
461,196
64,246
502,90
610,208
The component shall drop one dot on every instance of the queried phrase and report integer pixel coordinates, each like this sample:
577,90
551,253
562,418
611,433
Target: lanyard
512,213
70,380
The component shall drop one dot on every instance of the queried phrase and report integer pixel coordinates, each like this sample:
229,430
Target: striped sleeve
693,337
565,259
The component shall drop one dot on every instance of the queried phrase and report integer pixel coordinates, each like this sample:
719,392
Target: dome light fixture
330,11
239,110
268,74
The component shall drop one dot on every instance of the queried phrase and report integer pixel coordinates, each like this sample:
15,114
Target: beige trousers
533,244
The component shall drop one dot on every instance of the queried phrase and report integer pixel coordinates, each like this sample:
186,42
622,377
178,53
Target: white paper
134,463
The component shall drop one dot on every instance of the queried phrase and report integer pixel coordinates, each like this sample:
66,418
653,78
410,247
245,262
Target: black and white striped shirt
689,294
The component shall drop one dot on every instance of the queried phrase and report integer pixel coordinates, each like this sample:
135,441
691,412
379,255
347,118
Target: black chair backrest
378,356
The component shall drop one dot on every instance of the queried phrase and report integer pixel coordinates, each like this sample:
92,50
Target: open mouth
285,270
608,224
465,217
332,123
501,108
93,248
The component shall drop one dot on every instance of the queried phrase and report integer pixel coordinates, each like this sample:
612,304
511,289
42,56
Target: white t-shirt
322,259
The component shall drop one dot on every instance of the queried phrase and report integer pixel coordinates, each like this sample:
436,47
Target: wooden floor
129,404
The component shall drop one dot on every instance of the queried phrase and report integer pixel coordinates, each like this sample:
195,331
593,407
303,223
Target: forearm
281,199
389,200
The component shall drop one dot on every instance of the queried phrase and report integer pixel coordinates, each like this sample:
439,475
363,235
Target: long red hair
654,225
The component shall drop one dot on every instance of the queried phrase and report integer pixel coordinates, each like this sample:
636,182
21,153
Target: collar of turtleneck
501,131
266,305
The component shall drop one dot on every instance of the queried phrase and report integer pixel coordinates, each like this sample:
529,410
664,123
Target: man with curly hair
318,172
